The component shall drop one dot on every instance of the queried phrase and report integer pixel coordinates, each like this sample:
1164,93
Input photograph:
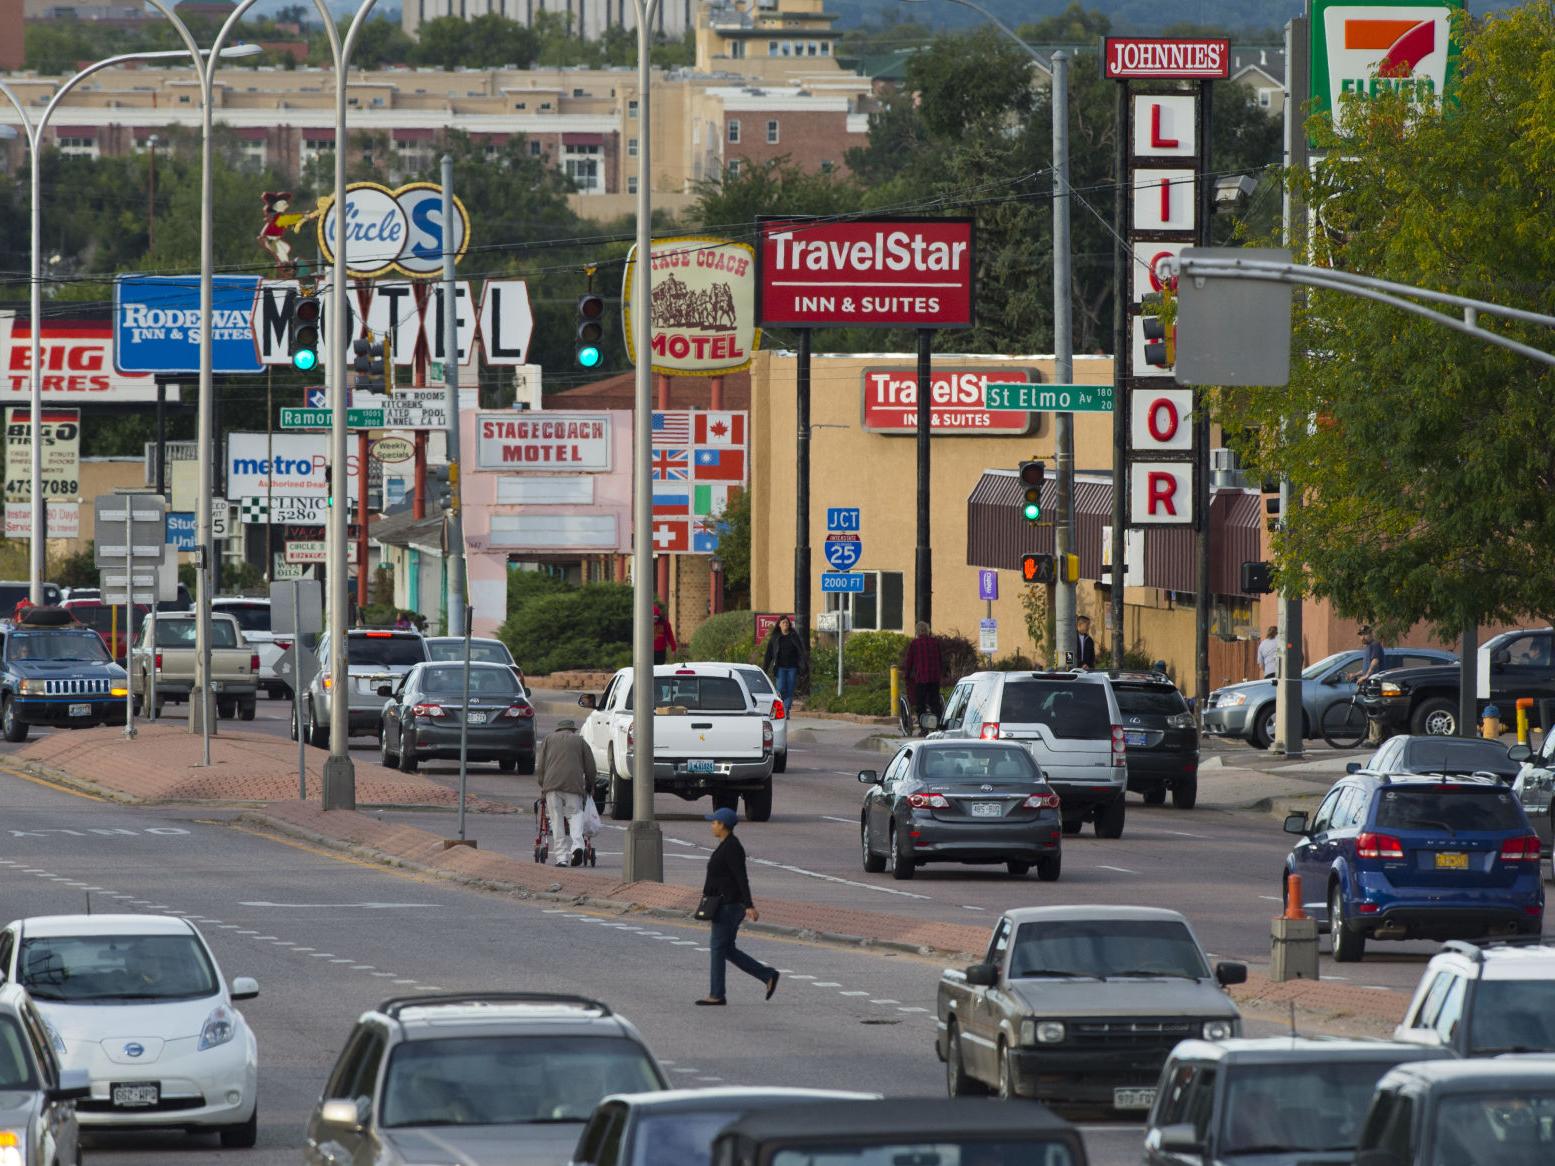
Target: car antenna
1293,1033
89,902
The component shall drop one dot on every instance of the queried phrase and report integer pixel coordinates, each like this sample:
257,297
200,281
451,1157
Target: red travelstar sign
1158,58
866,273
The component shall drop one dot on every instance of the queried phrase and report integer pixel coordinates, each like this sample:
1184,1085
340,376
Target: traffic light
1038,569
1256,579
1271,506
1031,477
302,330
591,330
369,363
1160,337
329,484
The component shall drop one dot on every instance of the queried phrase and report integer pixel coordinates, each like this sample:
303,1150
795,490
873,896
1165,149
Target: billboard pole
923,600
1063,367
456,579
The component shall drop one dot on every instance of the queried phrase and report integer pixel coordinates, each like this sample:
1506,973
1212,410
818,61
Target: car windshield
1454,808
679,1139
1458,755
1160,701
510,1079
385,650
481,651
1513,1127
251,617
81,646
1513,1016
1070,710
756,680
1029,1151
107,969
699,694
1300,1106
180,633
15,1066
1106,948
1313,671
484,682
948,766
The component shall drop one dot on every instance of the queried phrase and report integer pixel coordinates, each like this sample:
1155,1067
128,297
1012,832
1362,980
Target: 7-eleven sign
1383,46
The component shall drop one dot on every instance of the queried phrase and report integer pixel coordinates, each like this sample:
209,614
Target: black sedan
960,801
1449,756
425,711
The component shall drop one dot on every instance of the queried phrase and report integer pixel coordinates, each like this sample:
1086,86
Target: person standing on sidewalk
785,656
1269,653
727,880
663,636
922,667
566,771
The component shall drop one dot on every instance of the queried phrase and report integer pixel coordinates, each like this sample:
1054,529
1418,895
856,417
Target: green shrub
1016,661
728,636
868,652
958,655
573,627
871,700
526,585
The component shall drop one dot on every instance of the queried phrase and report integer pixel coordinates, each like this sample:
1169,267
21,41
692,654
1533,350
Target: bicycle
913,725
1345,723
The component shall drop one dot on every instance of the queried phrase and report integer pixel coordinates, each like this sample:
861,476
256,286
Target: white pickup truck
709,737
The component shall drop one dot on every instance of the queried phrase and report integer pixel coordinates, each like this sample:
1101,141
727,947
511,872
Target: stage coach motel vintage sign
704,305
543,441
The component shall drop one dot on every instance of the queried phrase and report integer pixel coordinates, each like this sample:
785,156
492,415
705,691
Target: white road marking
970,907
400,981
1185,834
1270,898
912,1009
364,906
825,984
844,821
885,1001
853,993
1119,869
322,955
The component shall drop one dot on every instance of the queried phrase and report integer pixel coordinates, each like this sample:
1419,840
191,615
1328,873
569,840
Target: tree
1428,491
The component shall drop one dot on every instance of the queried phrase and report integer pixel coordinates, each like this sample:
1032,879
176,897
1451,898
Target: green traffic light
589,356
305,360
1032,511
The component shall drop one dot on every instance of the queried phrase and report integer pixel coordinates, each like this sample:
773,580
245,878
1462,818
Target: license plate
476,718
1133,1098
1131,737
135,1096
80,710
987,810
1452,860
700,767
216,685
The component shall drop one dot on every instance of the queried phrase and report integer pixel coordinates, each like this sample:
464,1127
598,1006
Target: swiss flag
671,534
720,429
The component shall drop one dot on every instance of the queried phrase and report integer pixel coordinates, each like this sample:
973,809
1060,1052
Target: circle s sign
392,449
422,254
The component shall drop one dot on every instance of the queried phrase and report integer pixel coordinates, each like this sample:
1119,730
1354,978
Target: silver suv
373,658
1481,1001
482,1077
37,1097
1070,722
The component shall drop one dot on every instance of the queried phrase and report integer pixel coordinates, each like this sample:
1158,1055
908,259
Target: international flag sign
672,428
720,429
704,536
671,498
709,499
671,465
671,534
720,465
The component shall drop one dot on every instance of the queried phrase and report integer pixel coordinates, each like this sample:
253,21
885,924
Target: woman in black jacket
784,658
726,879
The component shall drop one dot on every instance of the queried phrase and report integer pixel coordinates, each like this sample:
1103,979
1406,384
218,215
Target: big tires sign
866,273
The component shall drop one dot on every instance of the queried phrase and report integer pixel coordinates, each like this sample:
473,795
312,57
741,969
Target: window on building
787,48
521,105
579,93
734,167
1265,98
582,165
545,107
631,184
734,129
772,132
737,49
631,147
772,49
826,165
631,109
183,99
254,153
825,48
878,608
77,146
810,49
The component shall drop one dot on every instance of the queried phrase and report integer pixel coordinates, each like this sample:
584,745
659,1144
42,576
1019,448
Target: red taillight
159,661
685,672
284,645
379,635
1369,845
253,662
1042,802
766,734
1524,849
990,731
518,710
427,710
1119,752
928,802
777,708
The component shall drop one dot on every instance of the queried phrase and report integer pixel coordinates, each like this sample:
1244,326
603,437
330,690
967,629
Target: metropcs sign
1360,50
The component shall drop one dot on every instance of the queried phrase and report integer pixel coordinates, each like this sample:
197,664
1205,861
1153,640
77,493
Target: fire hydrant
1490,723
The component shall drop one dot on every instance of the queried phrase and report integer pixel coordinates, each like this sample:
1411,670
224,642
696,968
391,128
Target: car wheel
292,725
873,863
242,1137
1348,943
12,726
318,736
1017,869
386,757
1155,796
1109,823
157,705
780,762
957,1083
1437,717
247,709
226,709
620,790
758,803
1263,727
407,752
507,764
1006,1074
526,762
1049,869
1072,825
1185,792
900,865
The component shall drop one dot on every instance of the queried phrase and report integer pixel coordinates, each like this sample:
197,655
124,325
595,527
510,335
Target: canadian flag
720,429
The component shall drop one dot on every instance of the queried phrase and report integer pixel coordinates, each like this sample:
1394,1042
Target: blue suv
1418,857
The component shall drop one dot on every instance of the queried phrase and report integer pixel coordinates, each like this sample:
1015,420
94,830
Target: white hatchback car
139,1003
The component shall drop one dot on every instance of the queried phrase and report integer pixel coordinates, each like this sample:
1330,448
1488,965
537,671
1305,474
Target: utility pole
455,519
1204,187
1063,367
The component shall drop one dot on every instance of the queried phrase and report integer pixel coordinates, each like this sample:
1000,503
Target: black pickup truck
1425,700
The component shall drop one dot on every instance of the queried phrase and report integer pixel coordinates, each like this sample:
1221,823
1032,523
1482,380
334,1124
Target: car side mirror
1181,1138
245,988
982,975
1500,656
341,1112
74,1085
588,700
385,690
869,777
1519,753
1228,973
1352,767
1296,823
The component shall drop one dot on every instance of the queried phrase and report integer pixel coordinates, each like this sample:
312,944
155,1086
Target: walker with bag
590,826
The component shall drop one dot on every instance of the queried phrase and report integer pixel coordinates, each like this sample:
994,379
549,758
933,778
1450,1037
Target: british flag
671,465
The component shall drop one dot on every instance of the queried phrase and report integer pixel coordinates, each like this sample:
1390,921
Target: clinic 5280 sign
866,273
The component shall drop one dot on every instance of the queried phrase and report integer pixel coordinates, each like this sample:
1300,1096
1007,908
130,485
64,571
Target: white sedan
139,1003
770,705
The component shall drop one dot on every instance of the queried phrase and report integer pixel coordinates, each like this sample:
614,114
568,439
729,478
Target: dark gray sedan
37,1097
425,714
960,801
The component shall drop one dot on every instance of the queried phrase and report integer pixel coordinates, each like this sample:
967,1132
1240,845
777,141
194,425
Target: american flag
671,465
672,428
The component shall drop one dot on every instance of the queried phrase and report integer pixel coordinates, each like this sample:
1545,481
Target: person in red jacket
922,668
663,635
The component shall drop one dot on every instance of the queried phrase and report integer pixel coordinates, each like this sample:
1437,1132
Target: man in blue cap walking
727,883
